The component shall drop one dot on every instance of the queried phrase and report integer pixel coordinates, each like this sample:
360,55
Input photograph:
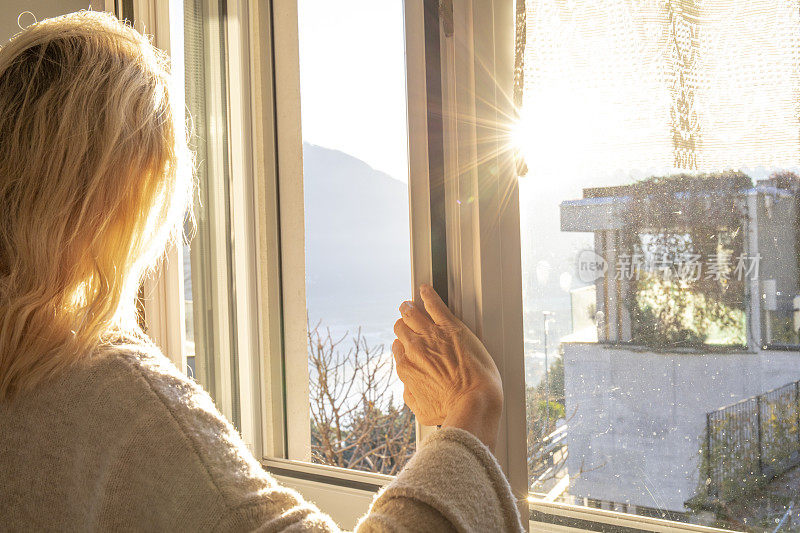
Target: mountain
358,250
358,267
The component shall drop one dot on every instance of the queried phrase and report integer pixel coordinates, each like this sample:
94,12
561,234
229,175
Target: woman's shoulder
248,492
139,368
153,374
190,411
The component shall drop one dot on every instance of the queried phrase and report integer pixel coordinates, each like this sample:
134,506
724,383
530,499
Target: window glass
195,86
352,67
660,217
209,298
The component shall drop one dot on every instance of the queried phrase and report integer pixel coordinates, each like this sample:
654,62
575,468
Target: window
256,337
660,274
357,235
256,281
209,295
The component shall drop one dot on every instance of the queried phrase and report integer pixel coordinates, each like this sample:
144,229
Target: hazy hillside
357,241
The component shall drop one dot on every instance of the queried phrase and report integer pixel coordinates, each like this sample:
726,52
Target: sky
352,77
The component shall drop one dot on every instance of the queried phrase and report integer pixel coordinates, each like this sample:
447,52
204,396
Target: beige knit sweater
123,441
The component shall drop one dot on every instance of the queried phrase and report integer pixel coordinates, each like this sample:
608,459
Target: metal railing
752,441
550,456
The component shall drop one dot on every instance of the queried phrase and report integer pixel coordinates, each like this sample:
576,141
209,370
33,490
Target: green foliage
556,410
676,218
701,204
669,313
539,425
782,327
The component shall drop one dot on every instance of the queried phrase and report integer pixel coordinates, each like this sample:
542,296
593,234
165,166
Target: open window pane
660,257
358,269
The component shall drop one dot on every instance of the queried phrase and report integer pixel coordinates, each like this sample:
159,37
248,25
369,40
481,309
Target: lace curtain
649,87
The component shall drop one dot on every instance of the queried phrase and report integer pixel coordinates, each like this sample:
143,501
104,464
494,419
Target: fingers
404,368
414,317
398,350
403,332
435,306
400,359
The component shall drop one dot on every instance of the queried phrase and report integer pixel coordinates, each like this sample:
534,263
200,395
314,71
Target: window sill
346,495
553,516
325,474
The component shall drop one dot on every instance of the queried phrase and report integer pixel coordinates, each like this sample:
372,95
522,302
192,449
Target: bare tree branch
354,420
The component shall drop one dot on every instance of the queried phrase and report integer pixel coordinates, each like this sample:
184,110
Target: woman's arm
453,483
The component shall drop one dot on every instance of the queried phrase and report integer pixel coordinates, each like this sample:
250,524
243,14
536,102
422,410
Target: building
638,409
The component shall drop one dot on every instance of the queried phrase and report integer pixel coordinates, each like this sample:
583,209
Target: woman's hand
450,379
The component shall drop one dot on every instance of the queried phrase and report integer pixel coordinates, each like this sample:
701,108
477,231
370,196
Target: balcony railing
751,442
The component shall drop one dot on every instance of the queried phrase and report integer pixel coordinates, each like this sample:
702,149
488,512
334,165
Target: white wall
637,418
43,9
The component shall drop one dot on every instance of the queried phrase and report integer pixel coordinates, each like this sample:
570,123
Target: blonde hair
95,180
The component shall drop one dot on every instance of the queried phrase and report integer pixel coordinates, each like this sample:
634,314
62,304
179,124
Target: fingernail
405,307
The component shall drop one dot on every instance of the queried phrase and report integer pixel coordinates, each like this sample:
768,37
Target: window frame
230,209
290,193
290,226
269,342
213,289
165,313
475,292
482,205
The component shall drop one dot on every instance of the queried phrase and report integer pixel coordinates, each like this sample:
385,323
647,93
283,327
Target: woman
99,430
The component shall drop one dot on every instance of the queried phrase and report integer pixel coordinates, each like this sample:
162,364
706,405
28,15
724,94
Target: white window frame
291,227
291,223
485,261
163,292
268,266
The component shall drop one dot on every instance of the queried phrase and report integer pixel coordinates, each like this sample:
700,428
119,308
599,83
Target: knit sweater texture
123,441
